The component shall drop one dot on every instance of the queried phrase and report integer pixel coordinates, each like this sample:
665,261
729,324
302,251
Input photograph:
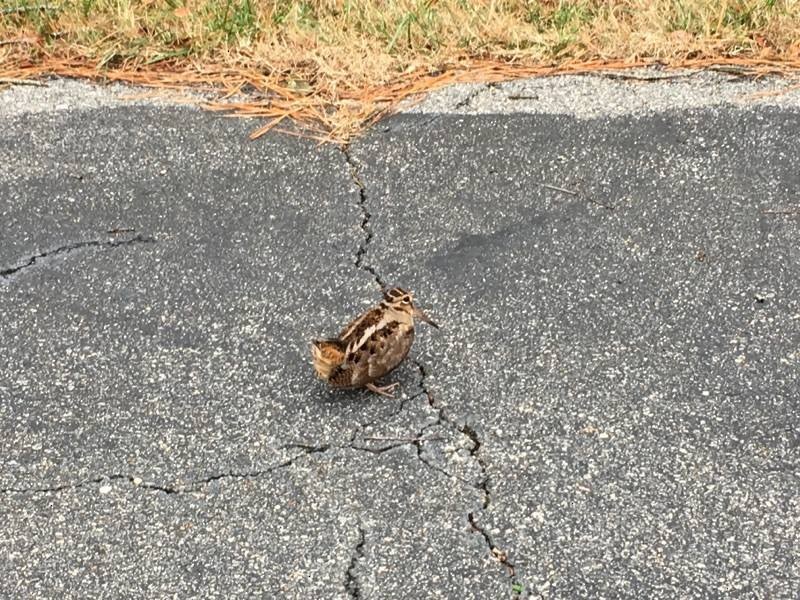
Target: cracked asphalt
610,410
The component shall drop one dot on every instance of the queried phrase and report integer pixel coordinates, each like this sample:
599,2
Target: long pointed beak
420,314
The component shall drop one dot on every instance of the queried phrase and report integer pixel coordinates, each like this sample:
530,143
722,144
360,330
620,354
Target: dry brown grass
337,65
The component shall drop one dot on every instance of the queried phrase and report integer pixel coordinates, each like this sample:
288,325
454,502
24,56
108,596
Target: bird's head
402,301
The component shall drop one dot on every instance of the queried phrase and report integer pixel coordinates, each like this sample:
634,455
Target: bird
371,345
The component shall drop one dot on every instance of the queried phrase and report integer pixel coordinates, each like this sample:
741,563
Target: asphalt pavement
611,408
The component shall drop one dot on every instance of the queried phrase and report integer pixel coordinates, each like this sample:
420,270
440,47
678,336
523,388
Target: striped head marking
402,301
399,299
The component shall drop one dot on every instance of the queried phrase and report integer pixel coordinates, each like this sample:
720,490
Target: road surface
610,410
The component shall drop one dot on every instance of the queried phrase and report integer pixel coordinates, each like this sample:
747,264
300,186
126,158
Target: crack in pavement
350,579
444,420
61,488
191,487
11,272
498,553
362,426
365,220
467,100
74,486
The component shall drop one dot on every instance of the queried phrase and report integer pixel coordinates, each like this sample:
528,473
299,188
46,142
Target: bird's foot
383,390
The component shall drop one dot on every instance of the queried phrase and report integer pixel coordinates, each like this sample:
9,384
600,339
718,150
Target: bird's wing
361,328
381,352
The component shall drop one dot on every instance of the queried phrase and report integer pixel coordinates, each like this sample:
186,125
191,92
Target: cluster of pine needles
336,66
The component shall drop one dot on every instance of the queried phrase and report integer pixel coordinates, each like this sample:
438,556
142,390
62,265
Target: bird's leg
383,390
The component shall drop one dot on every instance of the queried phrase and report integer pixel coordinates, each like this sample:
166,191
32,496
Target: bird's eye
406,301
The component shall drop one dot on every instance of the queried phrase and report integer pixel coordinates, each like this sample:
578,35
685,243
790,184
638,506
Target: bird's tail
326,356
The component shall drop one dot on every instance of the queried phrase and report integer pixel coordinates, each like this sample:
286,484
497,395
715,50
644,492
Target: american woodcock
371,345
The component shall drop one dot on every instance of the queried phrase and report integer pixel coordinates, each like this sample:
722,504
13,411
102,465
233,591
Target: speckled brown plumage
371,345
